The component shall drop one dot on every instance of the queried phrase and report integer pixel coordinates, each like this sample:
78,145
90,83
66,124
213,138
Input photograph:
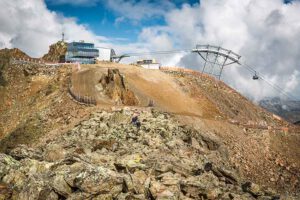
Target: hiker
135,121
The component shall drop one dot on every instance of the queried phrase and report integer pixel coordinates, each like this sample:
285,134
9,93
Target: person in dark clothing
138,124
135,121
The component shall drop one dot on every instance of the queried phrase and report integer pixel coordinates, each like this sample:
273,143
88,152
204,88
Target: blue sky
103,20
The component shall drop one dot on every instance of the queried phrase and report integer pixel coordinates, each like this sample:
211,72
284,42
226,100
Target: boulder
22,151
6,164
60,186
139,177
199,186
252,188
54,153
94,180
36,188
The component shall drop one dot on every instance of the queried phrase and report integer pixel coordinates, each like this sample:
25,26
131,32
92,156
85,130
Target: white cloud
30,26
264,32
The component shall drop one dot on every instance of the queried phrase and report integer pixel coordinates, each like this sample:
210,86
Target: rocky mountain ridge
197,139
108,157
287,109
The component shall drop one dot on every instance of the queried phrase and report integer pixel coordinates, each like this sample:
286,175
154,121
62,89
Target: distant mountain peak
287,109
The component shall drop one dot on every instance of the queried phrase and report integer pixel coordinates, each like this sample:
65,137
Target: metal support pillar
217,53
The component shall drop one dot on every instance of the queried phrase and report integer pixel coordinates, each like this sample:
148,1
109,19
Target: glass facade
83,53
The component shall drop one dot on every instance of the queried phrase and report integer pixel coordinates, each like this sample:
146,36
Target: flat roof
81,43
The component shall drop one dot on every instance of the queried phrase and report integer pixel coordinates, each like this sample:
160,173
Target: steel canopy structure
216,58
117,58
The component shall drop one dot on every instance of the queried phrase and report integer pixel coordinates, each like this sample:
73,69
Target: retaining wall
81,98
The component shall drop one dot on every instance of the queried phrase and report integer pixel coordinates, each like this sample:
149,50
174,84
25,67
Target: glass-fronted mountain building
81,52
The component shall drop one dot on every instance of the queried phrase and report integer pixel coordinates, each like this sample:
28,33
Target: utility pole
63,36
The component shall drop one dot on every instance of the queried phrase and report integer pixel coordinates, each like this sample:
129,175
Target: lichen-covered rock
252,188
54,153
95,180
35,188
22,151
108,157
6,164
60,186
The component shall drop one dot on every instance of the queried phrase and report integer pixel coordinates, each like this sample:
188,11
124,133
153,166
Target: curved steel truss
216,58
117,58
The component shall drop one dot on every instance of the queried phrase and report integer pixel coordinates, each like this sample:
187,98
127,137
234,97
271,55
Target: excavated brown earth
37,108
147,85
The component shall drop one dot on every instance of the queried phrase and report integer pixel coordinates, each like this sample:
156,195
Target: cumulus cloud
30,26
264,32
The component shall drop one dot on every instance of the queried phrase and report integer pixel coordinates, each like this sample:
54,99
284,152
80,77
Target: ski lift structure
216,58
117,58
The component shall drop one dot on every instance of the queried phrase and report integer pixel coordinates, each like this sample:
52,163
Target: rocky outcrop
109,157
56,52
6,55
113,85
13,53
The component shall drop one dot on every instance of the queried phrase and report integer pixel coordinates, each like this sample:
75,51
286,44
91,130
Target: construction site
73,127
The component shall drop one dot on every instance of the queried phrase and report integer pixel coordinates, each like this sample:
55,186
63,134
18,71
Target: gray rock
7,163
54,152
252,188
22,151
35,189
96,180
59,184
106,157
